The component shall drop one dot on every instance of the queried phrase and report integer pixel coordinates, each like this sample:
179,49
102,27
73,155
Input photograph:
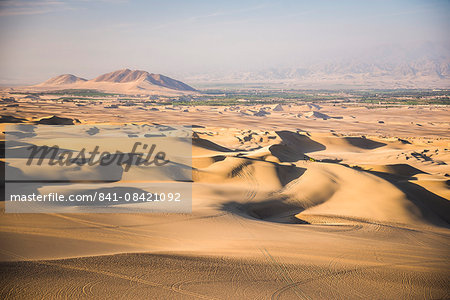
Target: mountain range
123,81
349,74
389,66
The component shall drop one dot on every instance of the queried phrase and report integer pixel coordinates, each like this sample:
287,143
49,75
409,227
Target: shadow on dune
285,174
433,208
303,142
288,173
206,144
275,210
18,149
73,174
364,143
294,146
11,119
55,120
403,170
430,204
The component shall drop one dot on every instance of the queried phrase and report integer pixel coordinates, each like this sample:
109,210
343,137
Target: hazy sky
40,39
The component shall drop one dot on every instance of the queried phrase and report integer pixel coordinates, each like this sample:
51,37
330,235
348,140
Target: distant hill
126,76
63,79
123,81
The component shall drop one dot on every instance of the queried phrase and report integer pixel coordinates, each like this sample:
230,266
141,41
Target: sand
284,207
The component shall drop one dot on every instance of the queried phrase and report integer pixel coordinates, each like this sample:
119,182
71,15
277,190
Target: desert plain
307,200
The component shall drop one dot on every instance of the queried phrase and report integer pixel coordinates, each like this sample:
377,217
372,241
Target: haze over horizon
42,39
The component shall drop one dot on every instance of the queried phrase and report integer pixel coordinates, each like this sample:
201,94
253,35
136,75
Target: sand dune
319,115
55,120
282,211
